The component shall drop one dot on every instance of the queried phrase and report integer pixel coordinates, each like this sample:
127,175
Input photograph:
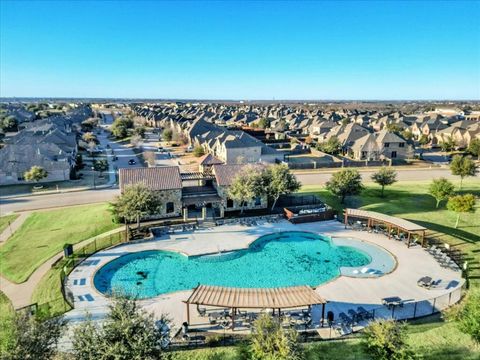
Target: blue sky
241,50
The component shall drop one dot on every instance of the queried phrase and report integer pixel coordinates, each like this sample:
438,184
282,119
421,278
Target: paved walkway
9,230
21,294
342,293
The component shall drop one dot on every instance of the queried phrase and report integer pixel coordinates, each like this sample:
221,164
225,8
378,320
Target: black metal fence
64,302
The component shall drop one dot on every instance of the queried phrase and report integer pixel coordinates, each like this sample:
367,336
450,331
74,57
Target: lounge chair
425,281
353,314
345,319
364,314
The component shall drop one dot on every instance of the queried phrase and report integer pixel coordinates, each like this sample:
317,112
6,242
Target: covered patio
390,222
237,299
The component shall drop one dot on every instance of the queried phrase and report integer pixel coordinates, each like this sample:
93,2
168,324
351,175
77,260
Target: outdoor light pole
93,170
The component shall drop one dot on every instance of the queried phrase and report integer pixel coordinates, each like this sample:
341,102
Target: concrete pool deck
342,293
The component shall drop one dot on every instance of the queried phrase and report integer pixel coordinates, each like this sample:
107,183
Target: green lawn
410,200
6,312
5,220
48,295
44,233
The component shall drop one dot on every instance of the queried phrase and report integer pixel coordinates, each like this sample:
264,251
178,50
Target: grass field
6,312
43,234
410,200
5,220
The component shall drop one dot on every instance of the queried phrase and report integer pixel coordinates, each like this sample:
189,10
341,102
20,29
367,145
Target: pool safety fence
342,327
64,301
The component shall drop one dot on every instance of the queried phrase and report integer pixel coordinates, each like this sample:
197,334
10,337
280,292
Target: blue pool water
275,260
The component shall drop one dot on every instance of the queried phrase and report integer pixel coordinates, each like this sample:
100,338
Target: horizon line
236,100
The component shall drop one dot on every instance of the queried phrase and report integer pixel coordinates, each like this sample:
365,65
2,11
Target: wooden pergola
255,298
391,222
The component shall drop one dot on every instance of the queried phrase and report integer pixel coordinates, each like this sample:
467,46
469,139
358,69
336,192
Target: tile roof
225,174
154,178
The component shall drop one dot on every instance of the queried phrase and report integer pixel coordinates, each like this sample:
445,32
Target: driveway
150,143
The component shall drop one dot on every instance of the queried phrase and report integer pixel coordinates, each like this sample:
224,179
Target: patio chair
202,312
425,281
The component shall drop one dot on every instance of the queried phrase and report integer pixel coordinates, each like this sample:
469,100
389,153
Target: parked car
131,162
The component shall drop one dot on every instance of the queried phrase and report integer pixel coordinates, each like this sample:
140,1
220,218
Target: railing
407,310
65,302
337,330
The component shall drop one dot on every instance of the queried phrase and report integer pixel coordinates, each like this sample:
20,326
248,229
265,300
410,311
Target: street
33,202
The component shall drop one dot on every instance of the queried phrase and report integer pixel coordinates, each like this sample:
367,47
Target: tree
198,151
89,137
119,131
10,123
344,183
100,166
474,148
423,140
137,201
468,317
79,162
89,124
441,189
140,131
461,204
278,180
393,127
136,141
128,332
332,146
385,177
91,148
150,157
36,173
463,167
308,140
448,144
32,338
407,135
386,340
167,134
269,340
264,123
243,187
120,127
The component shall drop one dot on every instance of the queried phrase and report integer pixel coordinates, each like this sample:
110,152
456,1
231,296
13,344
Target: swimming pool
274,260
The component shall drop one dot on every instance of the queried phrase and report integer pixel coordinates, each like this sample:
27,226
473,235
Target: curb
51,192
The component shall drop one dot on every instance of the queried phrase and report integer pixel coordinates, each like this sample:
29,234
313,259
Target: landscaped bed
44,233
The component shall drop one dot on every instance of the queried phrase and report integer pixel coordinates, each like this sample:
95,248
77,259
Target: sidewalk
21,294
13,226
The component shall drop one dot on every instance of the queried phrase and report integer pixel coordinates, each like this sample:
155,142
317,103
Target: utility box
68,250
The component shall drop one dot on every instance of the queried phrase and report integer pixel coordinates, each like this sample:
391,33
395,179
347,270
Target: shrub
386,340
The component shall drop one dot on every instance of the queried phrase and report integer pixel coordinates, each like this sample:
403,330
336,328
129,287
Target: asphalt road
94,196
402,175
